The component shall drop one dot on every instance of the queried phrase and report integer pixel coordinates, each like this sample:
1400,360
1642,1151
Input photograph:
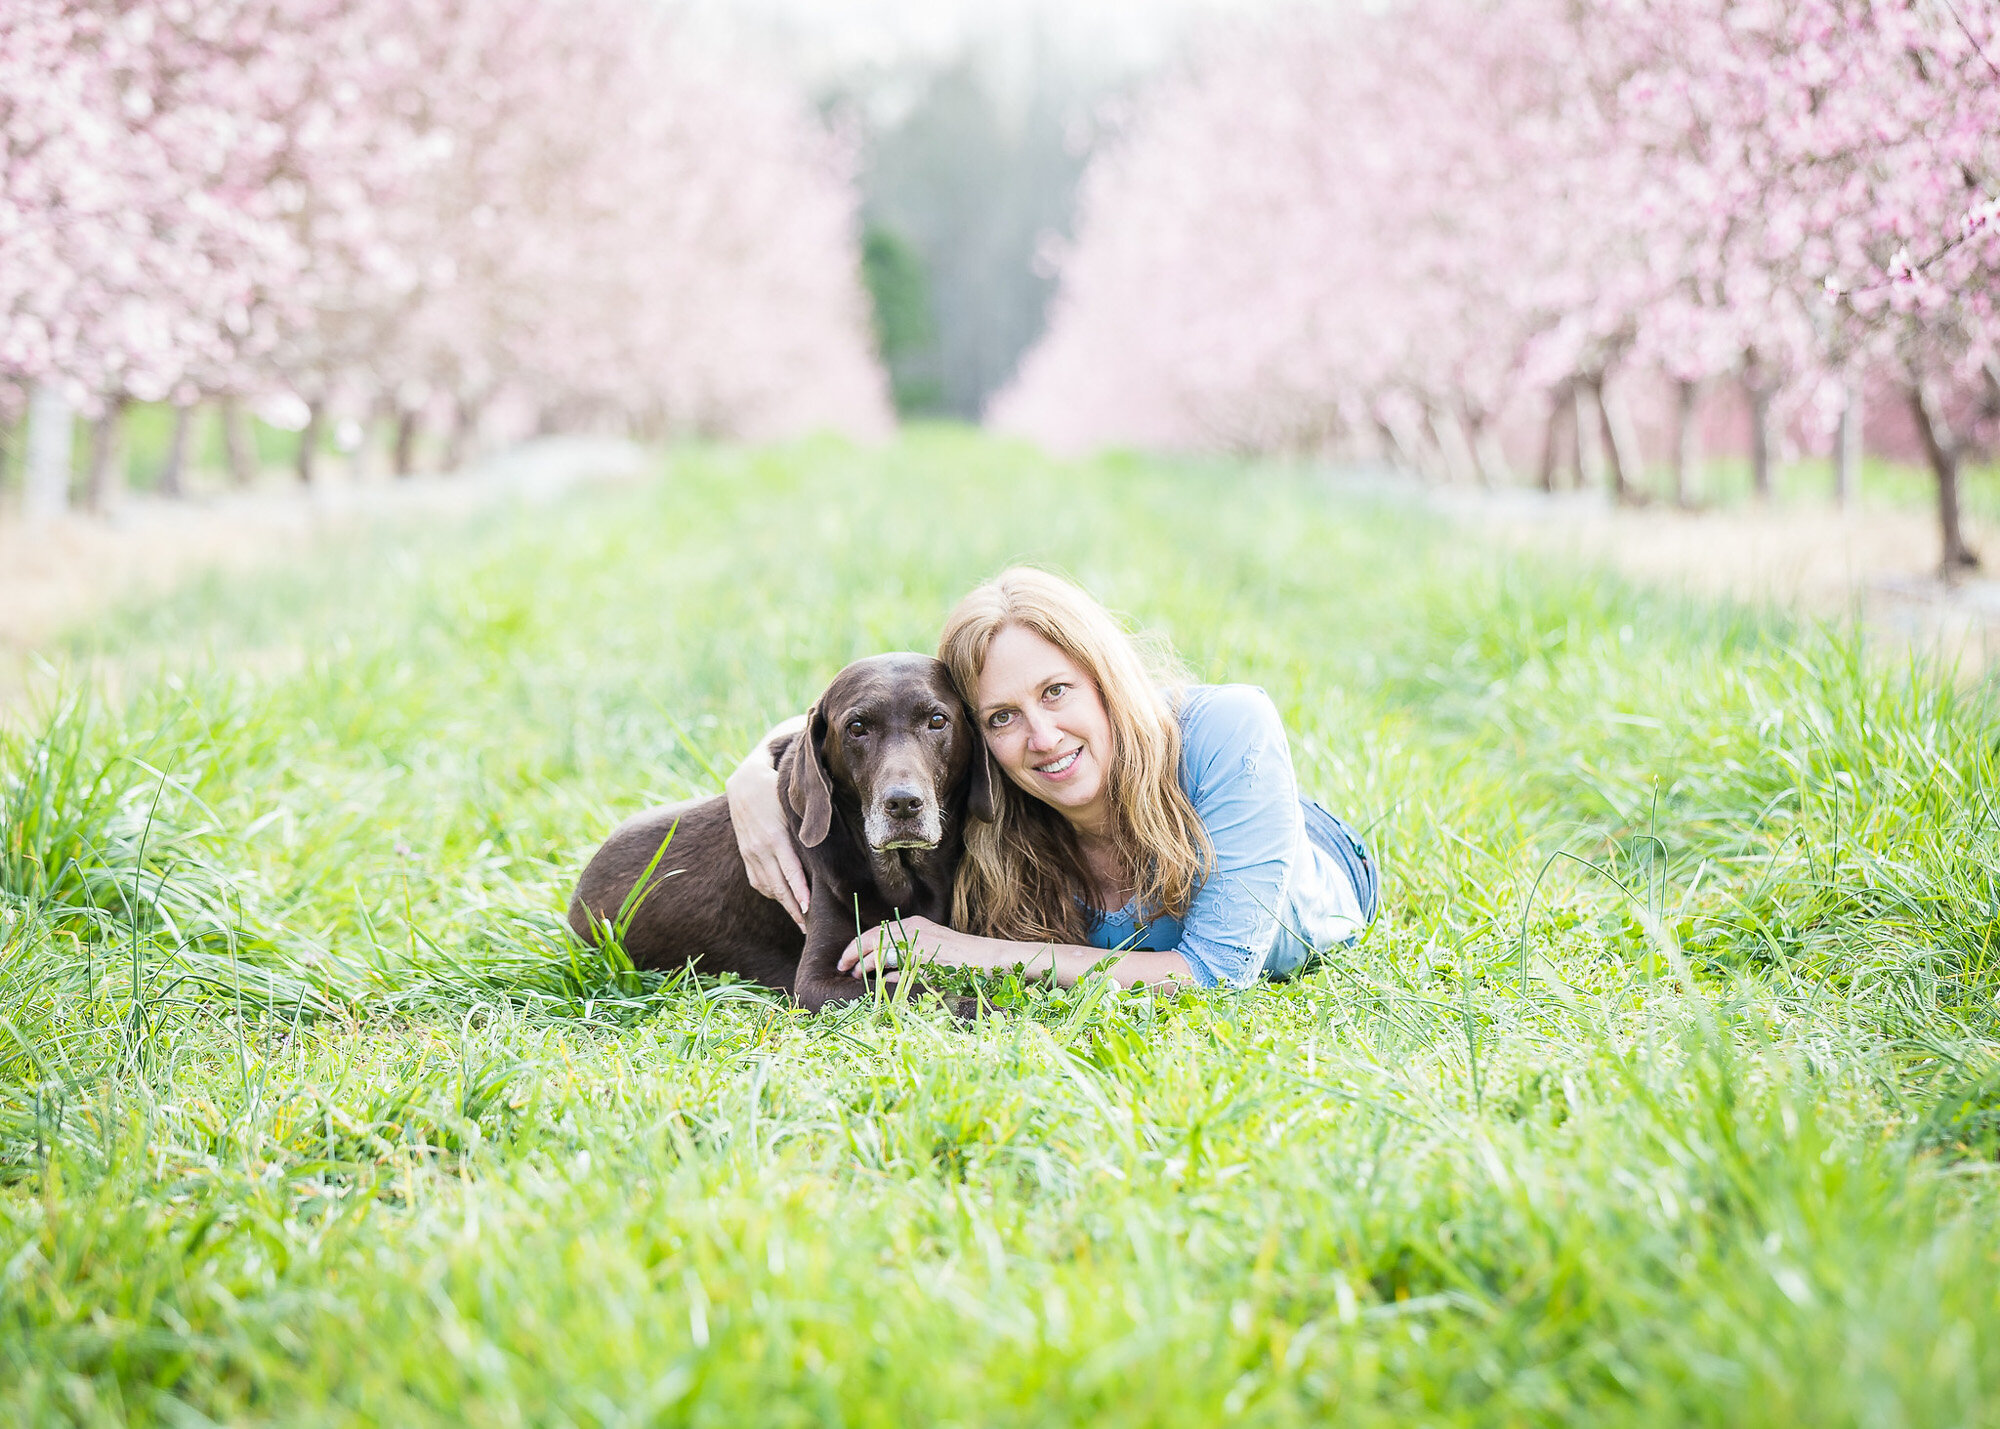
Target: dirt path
1879,562
56,574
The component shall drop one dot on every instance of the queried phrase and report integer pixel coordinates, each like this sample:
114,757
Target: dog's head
891,733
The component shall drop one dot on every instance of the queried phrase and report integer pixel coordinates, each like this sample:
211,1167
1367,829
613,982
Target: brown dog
876,792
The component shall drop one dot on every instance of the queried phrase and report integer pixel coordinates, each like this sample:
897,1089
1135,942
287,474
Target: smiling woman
1141,815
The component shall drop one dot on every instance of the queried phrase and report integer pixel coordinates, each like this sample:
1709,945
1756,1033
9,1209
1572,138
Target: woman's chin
1069,795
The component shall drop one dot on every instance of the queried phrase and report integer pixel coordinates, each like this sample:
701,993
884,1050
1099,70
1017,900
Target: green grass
147,439
1666,1089
1808,484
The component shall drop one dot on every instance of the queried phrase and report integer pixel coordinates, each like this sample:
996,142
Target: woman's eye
999,719
938,721
1055,692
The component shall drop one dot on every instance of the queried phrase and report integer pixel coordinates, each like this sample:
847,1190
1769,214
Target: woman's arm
762,837
1066,962
1239,769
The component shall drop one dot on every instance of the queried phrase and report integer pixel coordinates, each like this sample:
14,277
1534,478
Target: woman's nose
1042,731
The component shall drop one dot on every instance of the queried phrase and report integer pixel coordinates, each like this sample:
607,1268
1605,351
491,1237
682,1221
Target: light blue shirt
1275,897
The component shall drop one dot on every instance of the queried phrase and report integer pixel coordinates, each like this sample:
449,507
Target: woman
1162,825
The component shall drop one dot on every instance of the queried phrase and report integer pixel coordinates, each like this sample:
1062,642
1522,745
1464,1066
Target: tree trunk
1411,454
1620,445
1847,448
1385,441
11,436
237,444
51,438
1489,457
1460,466
1589,448
105,481
1687,443
357,454
1560,405
47,452
1942,448
1763,441
458,445
405,456
173,473
309,440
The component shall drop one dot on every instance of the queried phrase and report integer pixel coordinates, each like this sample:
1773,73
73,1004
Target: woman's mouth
1056,768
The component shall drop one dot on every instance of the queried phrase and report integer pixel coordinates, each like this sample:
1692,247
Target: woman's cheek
1005,750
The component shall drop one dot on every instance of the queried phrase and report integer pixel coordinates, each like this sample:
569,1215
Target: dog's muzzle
903,818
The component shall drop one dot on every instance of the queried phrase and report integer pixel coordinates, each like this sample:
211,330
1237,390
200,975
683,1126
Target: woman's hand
933,942
1066,962
758,816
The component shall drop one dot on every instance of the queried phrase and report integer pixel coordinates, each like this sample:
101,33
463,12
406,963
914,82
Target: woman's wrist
1152,967
953,948
1069,963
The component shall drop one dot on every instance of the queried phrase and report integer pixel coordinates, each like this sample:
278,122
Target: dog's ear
979,801
810,789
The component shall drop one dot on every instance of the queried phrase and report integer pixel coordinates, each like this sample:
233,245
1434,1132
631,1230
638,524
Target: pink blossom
556,198
1332,225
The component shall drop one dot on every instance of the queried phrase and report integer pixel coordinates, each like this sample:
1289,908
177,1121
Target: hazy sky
828,41
971,178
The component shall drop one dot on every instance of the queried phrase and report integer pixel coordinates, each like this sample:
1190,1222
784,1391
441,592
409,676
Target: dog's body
876,792
701,909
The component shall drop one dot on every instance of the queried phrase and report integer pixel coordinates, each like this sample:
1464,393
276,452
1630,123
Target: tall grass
1667,1088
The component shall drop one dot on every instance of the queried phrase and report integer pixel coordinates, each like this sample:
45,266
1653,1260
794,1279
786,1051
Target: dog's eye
856,728
938,721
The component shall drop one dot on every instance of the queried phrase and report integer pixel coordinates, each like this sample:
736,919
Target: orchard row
423,206
1431,225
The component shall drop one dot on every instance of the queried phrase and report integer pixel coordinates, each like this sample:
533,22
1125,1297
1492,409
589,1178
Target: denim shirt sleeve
1237,770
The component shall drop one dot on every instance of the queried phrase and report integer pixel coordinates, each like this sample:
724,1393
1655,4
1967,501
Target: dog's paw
965,1009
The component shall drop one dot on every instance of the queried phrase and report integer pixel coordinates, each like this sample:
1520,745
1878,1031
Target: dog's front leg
820,979
829,929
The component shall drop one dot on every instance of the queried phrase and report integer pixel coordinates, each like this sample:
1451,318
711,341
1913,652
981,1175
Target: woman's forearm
760,752
757,815
1069,962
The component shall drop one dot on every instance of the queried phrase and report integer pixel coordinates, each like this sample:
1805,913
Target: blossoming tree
397,203
1397,226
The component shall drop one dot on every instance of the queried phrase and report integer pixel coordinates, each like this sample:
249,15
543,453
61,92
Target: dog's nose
903,804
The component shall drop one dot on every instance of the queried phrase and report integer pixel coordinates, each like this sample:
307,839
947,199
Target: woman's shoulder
1225,709
1221,720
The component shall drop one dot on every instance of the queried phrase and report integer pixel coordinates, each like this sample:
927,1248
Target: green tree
905,328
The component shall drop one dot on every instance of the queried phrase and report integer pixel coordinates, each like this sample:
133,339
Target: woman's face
1045,725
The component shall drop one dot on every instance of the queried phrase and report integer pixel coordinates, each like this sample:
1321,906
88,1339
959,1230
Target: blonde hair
1023,875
